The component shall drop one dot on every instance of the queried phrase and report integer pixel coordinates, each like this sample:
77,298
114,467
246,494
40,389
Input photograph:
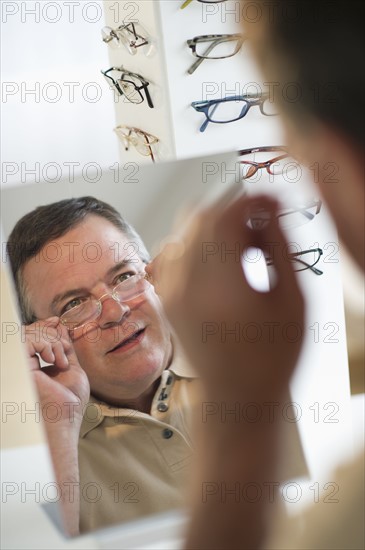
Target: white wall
35,53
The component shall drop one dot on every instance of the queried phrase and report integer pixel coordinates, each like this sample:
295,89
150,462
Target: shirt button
162,407
166,433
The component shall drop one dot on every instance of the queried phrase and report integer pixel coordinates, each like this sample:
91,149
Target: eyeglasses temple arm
195,65
199,61
305,213
149,99
185,4
149,146
126,145
311,267
203,127
263,149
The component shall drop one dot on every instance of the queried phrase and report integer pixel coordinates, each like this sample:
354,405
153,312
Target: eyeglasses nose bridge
114,297
110,295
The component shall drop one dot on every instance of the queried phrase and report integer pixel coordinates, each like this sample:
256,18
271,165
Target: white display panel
214,79
56,112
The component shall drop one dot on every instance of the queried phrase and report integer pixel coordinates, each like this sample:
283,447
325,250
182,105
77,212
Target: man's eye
124,276
73,303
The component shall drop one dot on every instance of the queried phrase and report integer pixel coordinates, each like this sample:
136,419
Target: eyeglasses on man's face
142,141
80,311
214,46
125,35
287,217
187,2
128,84
280,164
306,259
232,108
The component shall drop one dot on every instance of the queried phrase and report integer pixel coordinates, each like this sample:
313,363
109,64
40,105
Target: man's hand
206,295
64,384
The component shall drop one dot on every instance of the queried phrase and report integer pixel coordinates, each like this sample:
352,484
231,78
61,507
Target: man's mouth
129,342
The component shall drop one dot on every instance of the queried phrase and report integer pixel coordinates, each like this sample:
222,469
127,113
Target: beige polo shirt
133,464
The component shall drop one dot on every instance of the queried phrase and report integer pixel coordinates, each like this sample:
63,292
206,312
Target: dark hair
46,223
318,46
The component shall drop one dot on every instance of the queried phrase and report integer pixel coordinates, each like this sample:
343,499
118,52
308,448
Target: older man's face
84,263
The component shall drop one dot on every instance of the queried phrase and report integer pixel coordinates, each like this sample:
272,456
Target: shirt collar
180,365
96,410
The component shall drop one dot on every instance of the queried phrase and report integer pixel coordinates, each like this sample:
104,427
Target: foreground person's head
312,53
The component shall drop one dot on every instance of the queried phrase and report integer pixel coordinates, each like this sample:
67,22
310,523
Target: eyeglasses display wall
187,57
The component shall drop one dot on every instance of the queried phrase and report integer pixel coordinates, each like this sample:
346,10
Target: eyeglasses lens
131,288
297,217
284,165
216,49
130,91
90,310
227,111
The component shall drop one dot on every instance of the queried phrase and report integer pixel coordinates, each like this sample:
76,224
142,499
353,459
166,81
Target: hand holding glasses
126,35
142,141
129,84
86,310
232,108
214,46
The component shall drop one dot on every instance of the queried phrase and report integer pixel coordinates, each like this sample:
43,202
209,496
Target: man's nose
112,310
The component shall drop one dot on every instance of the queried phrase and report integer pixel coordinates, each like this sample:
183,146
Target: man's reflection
120,441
